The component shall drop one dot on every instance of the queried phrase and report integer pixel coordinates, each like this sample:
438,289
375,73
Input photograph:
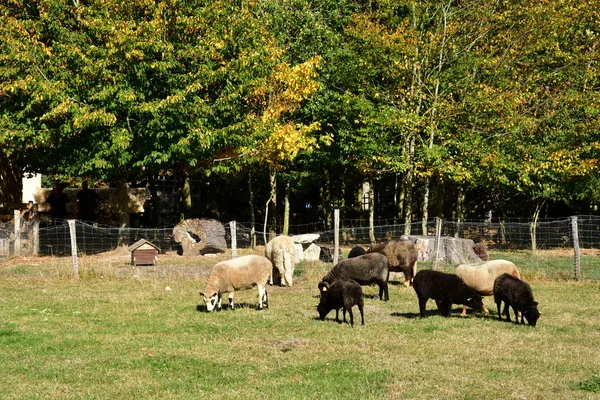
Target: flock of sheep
341,287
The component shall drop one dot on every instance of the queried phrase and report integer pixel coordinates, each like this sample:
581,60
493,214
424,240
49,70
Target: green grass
118,333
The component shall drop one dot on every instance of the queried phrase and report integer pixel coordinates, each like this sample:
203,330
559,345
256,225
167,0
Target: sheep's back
241,273
481,276
365,268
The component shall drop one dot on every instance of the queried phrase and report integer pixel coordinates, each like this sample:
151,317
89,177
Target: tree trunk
425,209
460,212
251,206
399,197
408,187
273,205
326,201
123,209
286,210
371,211
533,226
185,199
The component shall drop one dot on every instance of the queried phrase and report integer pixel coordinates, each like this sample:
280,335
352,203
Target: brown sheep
401,255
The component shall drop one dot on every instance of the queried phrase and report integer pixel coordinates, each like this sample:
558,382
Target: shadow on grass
202,307
454,313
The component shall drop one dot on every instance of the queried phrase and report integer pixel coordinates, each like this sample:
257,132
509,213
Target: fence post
577,259
36,231
74,248
17,242
336,235
232,227
436,245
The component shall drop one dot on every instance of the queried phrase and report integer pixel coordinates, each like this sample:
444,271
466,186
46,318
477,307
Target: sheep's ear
535,303
201,294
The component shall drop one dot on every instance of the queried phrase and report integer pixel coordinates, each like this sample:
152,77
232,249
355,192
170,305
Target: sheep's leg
344,313
407,279
231,306
261,294
384,294
351,316
464,311
288,277
219,302
447,306
362,313
337,315
499,305
422,304
265,299
507,312
485,310
516,312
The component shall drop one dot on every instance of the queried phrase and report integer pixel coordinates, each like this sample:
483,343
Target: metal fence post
336,235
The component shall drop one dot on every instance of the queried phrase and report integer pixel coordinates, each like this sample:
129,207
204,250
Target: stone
312,253
306,238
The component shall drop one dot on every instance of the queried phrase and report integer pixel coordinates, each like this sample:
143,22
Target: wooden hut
143,253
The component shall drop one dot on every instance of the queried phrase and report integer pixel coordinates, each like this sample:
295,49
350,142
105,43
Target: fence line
53,238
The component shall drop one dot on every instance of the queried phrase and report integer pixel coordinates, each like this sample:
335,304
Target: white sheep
282,253
237,274
481,276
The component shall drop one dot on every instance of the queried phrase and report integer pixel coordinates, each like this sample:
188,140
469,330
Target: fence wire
54,237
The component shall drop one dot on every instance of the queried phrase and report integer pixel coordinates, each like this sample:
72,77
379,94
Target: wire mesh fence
53,237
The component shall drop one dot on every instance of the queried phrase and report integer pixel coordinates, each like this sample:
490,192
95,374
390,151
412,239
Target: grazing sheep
481,276
237,274
446,289
356,251
341,294
282,253
366,270
516,294
401,255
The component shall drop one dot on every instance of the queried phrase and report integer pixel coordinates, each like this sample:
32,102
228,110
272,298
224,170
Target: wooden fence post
436,245
336,235
577,258
232,228
73,233
17,242
36,231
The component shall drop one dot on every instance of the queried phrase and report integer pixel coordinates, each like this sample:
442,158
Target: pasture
135,332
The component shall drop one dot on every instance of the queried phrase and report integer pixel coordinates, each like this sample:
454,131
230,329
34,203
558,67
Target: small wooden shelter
143,253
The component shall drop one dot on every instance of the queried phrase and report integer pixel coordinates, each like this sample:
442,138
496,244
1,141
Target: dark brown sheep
341,294
356,251
401,255
445,289
366,270
516,294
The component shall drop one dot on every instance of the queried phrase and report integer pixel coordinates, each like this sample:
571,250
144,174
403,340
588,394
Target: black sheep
518,295
341,294
445,289
365,270
356,251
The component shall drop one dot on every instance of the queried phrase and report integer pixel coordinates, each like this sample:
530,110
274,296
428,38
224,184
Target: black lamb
341,294
445,289
356,251
518,295
367,269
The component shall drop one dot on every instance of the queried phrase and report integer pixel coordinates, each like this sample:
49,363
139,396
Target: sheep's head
322,308
532,314
475,302
210,301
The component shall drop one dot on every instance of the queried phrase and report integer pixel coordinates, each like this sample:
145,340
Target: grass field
120,333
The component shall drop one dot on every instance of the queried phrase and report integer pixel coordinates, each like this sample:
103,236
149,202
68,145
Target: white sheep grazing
481,276
282,253
237,274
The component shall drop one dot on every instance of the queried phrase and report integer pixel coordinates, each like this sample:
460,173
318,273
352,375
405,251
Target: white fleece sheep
481,276
282,253
237,274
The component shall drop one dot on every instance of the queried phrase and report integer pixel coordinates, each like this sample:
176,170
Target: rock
299,252
306,238
312,253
